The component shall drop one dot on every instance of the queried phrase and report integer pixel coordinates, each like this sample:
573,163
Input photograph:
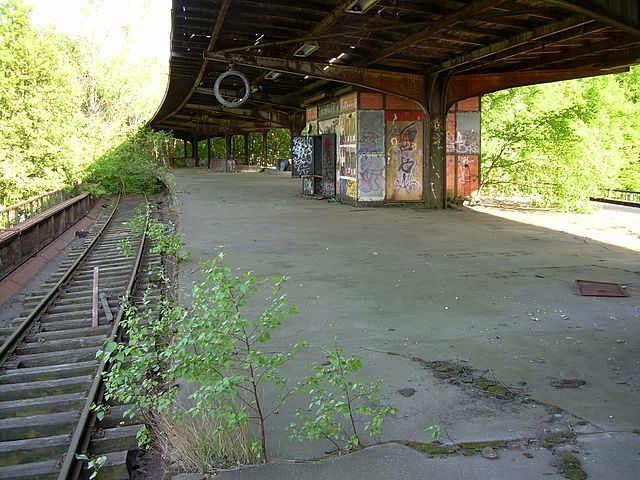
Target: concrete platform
401,285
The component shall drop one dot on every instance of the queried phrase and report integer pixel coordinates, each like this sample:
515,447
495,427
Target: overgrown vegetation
209,379
74,108
136,165
338,398
561,143
278,147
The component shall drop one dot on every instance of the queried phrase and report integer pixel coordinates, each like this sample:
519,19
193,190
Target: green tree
41,138
560,143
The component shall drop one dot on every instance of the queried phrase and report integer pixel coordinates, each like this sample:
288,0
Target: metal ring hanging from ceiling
241,76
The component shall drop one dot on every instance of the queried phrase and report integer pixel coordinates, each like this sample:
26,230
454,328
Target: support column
436,151
246,149
265,157
194,150
209,153
227,144
185,149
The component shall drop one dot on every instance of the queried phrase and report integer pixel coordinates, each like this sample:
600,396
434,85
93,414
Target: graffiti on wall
348,129
352,191
302,156
347,168
328,126
371,171
328,185
468,170
404,160
371,176
467,139
463,151
307,185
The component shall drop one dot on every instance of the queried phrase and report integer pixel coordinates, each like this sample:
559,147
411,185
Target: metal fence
624,195
13,215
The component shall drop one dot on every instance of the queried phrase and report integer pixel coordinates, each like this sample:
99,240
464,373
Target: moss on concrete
557,438
491,387
571,468
476,447
429,448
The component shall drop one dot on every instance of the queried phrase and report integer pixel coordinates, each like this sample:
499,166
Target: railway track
50,376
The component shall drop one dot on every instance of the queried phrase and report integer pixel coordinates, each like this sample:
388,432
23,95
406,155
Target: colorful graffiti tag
404,160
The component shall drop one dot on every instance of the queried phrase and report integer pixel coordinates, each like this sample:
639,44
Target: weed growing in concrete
201,443
340,402
219,347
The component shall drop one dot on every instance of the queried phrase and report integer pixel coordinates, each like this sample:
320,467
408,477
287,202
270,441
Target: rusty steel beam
268,115
288,101
534,45
460,15
590,49
465,86
325,36
604,14
518,40
198,121
222,14
409,86
326,23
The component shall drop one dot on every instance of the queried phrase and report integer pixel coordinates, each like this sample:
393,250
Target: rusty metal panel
468,173
398,103
348,103
329,110
600,289
371,101
404,157
451,175
371,174
312,114
468,105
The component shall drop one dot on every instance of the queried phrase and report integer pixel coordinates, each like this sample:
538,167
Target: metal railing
624,195
13,215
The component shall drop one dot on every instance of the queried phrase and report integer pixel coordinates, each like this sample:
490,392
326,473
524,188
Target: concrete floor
481,286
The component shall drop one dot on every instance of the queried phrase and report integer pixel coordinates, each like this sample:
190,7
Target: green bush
131,167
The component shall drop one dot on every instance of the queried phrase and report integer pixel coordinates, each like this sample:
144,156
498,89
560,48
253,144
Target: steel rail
72,467
14,339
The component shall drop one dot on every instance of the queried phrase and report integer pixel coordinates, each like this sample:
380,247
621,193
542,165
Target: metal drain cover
600,289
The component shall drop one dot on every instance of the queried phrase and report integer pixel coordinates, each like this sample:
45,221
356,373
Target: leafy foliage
561,143
215,345
130,167
40,97
339,401
65,103
218,349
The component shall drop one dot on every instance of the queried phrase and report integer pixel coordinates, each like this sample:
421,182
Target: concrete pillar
246,148
209,152
186,153
264,147
435,174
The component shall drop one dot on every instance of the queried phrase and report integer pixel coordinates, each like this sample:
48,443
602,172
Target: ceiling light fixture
306,49
361,6
272,75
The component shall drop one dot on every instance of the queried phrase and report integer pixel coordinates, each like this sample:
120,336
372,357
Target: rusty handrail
30,207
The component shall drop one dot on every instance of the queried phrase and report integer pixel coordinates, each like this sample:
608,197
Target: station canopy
294,53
